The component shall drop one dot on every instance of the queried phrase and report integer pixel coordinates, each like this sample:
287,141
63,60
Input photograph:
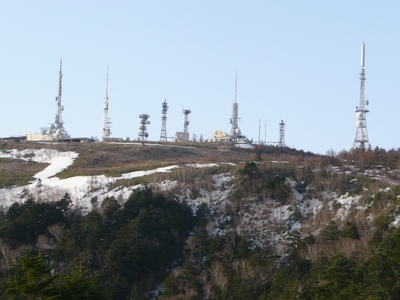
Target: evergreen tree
34,280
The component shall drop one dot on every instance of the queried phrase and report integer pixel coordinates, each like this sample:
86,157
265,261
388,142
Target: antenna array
143,126
361,141
281,142
106,130
235,130
185,122
163,135
57,127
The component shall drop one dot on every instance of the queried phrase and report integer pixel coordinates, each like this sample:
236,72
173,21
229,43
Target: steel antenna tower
106,130
58,125
361,141
163,135
235,131
281,134
185,122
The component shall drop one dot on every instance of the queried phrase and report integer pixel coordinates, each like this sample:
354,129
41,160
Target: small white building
220,136
181,137
36,137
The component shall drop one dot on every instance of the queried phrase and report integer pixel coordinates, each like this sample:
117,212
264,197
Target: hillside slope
275,202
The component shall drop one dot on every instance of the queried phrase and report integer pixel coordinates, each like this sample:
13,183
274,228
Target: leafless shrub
217,274
44,243
56,230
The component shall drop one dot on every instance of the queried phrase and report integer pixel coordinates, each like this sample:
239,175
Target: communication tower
281,134
185,122
163,135
57,127
106,130
143,126
361,141
235,130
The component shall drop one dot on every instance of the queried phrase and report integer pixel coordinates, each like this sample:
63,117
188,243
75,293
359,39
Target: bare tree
44,243
56,230
9,256
5,250
218,276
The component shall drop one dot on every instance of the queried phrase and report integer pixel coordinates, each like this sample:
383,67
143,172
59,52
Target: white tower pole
361,141
106,128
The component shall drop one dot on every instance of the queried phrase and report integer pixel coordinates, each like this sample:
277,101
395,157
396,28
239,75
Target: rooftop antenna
106,130
185,122
361,141
235,131
281,142
163,135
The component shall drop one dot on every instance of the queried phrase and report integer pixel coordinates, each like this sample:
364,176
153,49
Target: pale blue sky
296,60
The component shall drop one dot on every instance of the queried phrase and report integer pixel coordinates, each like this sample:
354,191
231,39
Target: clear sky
296,60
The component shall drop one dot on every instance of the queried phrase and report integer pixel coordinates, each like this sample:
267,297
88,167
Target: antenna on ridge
281,142
107,84
60,82
106,130
55,131
236,86
163,135
58,126
235,131
361,141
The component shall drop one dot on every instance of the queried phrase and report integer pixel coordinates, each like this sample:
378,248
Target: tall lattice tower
281,142
235,130
361,141
163,135
185,122
106,129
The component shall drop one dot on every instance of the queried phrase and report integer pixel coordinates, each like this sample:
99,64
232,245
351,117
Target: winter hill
220,222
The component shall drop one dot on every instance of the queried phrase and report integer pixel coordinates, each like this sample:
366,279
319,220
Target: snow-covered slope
81,188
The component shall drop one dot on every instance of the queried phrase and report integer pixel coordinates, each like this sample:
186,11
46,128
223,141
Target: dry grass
18,172
114,159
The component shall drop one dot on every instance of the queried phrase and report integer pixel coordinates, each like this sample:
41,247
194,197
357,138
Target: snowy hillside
264,222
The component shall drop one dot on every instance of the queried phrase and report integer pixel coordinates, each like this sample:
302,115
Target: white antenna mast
58,126
106,129
361,141
235,131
